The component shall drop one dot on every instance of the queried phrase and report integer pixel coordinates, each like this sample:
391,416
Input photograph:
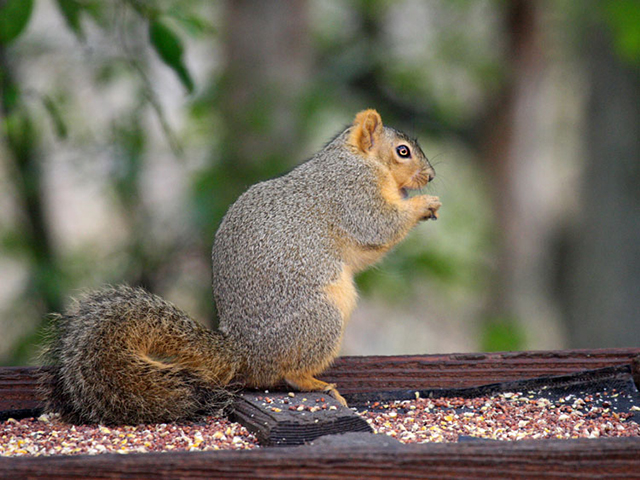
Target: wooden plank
585,382
19,388
280,419
612,458
377,373
354,374
336,457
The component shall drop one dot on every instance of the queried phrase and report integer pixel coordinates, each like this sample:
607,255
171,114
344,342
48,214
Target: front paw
431,206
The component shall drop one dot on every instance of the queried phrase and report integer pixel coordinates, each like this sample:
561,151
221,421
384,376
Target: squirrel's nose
431,173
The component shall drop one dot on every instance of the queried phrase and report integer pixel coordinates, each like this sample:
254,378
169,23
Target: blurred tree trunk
521,312
603,278
268,65
268,59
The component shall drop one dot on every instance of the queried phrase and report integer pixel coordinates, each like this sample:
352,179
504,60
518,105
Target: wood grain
274,423
378,373
613,458
567,459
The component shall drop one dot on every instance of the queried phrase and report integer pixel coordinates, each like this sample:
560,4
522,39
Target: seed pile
47,435
506,416
299,404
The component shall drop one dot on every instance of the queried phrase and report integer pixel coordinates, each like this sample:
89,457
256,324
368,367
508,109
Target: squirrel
284,260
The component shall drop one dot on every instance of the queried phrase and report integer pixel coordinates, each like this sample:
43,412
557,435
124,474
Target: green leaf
70,10
623,17
59,124
169,47
14,17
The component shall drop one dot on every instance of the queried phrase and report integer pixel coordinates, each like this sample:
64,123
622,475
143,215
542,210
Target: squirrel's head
402,155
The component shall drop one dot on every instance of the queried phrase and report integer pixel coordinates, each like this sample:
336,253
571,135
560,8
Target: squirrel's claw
331,390
432,207
432,215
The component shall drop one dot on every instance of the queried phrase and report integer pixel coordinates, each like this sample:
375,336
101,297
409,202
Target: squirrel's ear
366,131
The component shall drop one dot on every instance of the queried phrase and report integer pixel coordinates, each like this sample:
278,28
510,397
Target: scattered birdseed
506,416
48,435
294,403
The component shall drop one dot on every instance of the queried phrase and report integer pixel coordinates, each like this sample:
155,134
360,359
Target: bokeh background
129,126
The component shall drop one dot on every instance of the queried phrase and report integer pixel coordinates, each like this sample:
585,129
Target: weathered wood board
354,455
294,418
613,458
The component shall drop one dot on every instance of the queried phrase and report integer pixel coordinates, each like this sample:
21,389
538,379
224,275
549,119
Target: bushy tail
124,356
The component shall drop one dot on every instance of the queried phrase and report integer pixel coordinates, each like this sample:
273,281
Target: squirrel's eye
403,151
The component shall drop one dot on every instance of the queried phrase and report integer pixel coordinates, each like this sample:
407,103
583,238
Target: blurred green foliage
23,130
623,17
14,17
502,334
356,63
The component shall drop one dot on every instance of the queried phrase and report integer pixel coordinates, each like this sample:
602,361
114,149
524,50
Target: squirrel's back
286,251
274,255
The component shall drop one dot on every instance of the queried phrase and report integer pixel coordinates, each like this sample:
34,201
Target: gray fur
279,246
